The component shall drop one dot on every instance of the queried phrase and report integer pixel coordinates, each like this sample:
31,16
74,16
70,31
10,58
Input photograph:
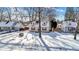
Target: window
44,24
37,22
69,23
32,28
0,28
32,24
44,28
13,28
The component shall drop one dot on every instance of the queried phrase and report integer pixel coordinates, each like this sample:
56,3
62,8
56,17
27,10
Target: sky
59,10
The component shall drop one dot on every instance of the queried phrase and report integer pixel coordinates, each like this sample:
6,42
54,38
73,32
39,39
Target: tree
15,12
1,13
69,15
51,13
8,9
29,11
38,14
45,12
77,20
39,22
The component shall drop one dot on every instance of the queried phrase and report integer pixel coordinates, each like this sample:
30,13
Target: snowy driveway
52,41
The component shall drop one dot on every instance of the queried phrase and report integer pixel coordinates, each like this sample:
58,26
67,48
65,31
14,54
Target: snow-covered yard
52,41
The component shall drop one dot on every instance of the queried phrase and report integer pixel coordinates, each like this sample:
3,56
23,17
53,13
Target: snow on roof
4,24
10,24
19,25
69,24
73,24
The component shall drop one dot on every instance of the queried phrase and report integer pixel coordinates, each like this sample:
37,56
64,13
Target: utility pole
39,22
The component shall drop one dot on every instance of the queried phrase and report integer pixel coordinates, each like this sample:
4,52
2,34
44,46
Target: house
45,25
69,26
6,26
9,26
19,26
59,27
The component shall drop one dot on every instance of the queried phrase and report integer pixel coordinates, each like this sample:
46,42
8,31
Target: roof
69,24
5,24
19,25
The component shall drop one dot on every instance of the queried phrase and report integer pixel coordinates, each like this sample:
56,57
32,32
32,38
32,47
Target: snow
2,23
18,25
51,41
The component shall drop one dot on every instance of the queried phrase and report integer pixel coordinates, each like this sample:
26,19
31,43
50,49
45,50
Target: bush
21,34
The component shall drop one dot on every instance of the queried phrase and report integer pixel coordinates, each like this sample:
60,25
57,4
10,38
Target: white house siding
45,25
69,26
18,26
65,26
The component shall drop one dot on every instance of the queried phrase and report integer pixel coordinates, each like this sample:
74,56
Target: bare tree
51,13
29,10
31,13
77,20
15,10
36,13
39,12
9,13
1,13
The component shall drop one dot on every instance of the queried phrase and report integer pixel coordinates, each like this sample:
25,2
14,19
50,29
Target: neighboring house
69,26
19,26
8,26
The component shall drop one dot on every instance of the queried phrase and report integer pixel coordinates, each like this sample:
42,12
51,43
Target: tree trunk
75,34
76,31
39,23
